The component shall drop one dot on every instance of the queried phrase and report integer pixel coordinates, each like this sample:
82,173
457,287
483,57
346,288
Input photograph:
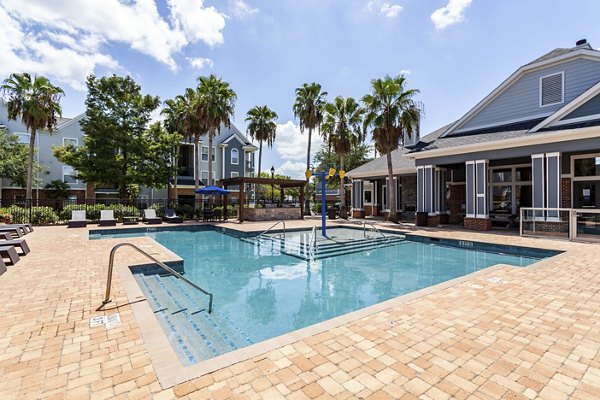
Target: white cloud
294,170
198,22
290,144
452,13
240,9
200,63
405,72
67,42
388,10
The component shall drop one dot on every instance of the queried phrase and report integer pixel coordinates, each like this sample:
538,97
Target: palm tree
308,108
262,127
341,129
175,122
215,105
391,113
37,103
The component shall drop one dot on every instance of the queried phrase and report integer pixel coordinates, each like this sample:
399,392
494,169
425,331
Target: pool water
261,292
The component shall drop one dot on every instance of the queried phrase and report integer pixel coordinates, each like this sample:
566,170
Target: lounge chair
9,252
150,217
78,219
25,228
107,218
14,231
21,243
2,266
171,217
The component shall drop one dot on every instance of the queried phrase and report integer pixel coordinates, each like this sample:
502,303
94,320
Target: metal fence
568,223
51,212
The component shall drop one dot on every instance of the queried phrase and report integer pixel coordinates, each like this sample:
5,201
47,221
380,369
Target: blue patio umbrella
212,190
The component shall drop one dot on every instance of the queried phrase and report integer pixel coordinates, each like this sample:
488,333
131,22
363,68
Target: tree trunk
342,188
392,215
307,202
28,191
197,164
175,169
210,156
259,156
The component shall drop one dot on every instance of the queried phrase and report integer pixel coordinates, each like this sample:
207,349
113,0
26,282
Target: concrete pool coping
169,369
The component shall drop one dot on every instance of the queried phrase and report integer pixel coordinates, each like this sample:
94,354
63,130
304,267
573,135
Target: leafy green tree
119,148
341,130
13,159
57,189
392,114
215,105
262,127
36,101
308,108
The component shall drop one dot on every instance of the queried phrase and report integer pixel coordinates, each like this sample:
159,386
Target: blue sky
454,51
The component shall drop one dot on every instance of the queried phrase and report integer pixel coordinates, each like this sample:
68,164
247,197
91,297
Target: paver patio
535,334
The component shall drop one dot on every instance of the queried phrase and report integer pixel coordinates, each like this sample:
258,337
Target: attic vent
551,89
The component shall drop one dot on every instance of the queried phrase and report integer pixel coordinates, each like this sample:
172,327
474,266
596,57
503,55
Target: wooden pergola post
301,202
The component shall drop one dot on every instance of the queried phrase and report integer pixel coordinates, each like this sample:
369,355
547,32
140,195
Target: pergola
282,183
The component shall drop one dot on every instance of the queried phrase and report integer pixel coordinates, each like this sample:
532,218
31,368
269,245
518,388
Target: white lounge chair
78,219
107,218
150,216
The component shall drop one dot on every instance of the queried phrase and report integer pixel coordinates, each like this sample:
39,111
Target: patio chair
107,218
9,252
150,217
78,219
171,217
24,228
21,243
2,266
13,231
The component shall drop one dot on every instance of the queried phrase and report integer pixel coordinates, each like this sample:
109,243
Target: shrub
6,215
35,215
121,210
92,211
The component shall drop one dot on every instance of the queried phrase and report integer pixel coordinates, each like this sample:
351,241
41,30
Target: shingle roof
399,162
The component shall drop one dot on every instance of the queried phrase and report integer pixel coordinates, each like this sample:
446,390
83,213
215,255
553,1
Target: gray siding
592,107
229,167
521,99
537,165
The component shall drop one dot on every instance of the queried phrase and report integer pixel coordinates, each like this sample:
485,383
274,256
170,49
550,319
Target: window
552,89
70,142
235,156
368,197
23,137
235,174
204,177
205,154
587,166
502,175
69,175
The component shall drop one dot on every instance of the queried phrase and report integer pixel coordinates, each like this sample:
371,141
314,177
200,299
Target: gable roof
555,56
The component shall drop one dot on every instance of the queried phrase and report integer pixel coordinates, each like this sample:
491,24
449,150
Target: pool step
297,247
196,334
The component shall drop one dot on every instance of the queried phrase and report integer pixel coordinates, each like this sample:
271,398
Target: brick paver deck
537,335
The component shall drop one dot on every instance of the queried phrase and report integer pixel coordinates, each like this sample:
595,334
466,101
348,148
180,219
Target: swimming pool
262,290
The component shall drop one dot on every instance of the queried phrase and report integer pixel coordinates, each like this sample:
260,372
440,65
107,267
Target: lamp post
169,165
272,177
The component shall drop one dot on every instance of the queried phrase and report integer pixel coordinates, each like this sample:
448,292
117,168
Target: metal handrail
160,263
273,226
312,241
374,228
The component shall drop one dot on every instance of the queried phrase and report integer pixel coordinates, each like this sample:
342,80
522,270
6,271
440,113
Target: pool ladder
272,226
372,227
160,264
